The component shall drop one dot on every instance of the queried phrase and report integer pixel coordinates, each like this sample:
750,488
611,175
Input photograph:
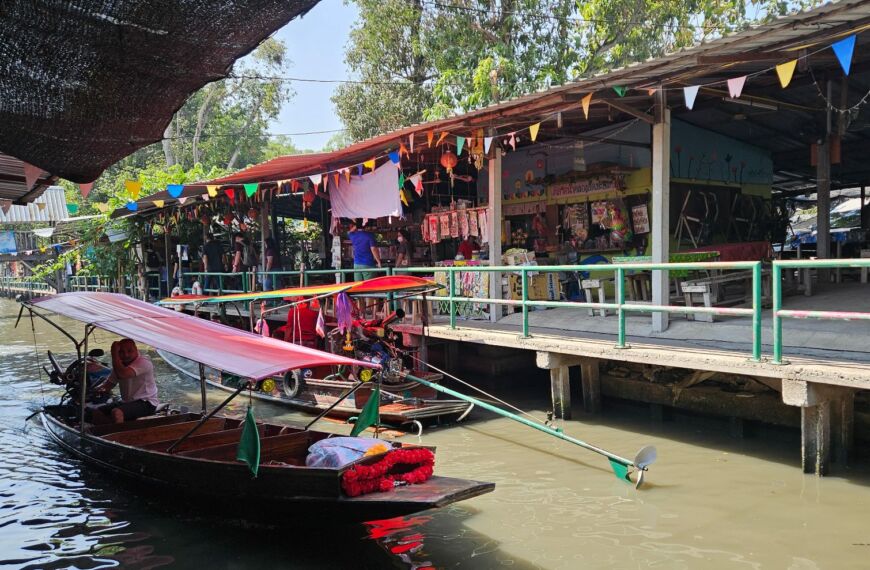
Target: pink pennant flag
5,205
411,141
205,197
513,141
31,174
315,179
182,200
735,86
85,189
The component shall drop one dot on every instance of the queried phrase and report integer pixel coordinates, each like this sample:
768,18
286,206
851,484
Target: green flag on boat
249,444
369,415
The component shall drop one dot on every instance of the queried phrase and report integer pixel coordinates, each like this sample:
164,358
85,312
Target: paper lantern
228,219
308,197
449,161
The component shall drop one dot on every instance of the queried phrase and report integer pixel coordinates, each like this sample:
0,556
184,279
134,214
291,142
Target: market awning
87,83
228,349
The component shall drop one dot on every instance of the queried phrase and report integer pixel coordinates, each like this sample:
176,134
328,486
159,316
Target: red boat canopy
375,286
228,349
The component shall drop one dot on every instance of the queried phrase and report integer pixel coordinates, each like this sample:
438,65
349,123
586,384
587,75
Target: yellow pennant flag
403,197
585,102
40,206
133,187
370,164
159,203
784,71
347,174
533,131
212,190
102,207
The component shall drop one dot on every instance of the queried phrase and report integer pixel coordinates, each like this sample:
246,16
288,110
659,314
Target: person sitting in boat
135,375
301,327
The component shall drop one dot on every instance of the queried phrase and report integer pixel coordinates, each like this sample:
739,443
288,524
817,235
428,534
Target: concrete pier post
661,183
591,382
827,422
560,383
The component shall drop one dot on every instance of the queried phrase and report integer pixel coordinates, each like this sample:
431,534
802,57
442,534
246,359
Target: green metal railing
619,306
90,283
779,313
18,285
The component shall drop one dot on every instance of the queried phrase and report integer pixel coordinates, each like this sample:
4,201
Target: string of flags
474,143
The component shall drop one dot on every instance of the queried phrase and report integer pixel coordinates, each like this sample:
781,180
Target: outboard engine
71,378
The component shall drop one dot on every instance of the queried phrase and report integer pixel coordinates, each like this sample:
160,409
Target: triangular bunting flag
182,200
251,188
212,190
336,177
460,142
133,187
620,90
403,198
403,150
430,136
159,203
5,205
359,169
513,141
844,50
689,93
73,209
102,207
785,71
401,180
442,137
205,197
585,102
411,141
370,164
231,194
735,86
394,156
533,131
294,185
315,179
320,325
487,142
175,190
369,415
132,206
417,181
85,189
651,92
41,206
347,174
31,175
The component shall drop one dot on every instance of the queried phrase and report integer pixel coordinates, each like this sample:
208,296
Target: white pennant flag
735,86
487,142
690,93
182,200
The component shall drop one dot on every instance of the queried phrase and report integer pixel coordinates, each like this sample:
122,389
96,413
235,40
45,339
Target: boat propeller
645,457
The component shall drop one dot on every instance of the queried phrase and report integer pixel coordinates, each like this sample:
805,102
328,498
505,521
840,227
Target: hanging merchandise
454,224
444,226
472,223
434,233
463,223
482,226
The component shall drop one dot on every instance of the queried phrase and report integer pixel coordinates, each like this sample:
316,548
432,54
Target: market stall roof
53,209
225,348
86,83
784,122
14,184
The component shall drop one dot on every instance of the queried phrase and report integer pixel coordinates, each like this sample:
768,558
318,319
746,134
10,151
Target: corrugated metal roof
54,210
13,185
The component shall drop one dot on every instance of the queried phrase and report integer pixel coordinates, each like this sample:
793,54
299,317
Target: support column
661,186
823,193
827,423
493,229
591,382
560,383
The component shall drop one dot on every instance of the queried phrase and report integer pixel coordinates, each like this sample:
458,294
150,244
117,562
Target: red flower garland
363,479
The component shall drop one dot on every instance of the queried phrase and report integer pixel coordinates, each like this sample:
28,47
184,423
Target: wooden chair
589,286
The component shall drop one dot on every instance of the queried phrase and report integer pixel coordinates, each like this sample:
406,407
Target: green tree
425,59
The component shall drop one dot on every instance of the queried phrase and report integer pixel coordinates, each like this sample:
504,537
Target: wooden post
823,193
661,229
591,382
493,229
560,386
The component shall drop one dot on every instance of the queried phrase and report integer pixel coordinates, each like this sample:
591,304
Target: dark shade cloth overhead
87,82
13,180
225,348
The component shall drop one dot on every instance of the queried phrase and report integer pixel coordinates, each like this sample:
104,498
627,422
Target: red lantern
228,219
449,160
308,197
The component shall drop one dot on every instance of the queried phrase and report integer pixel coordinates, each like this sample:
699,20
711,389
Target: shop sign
522,209
585,186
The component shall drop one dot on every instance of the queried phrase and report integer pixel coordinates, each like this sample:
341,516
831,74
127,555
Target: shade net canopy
225,348
376,286
87,82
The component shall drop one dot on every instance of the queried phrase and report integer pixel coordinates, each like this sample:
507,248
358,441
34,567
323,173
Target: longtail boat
405,401
193,455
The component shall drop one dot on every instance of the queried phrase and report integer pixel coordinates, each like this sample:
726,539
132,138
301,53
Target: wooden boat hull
319,394
282,494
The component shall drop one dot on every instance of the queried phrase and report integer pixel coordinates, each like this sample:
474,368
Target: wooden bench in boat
201,441
289,448
104,429
144,436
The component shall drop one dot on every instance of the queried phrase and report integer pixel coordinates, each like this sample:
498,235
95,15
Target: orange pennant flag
651,92
347,174
785,71
337,178
533,131
585,102
442,137
430,136
403,150
370,164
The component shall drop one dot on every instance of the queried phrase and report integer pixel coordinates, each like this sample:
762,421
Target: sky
316,44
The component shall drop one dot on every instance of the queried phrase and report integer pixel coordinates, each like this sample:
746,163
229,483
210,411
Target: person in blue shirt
365,251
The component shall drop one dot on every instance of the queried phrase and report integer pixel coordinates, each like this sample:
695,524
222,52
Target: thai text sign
585,186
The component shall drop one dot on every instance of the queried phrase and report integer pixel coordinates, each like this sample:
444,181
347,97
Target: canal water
712,501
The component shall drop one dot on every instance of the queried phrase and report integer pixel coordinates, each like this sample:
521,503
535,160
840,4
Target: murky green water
713,502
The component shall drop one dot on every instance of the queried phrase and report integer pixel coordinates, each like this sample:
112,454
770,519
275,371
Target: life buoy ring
293,383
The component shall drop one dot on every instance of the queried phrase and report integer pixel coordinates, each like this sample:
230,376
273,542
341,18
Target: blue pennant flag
844,50
175,190
394,157
132,206
359,168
